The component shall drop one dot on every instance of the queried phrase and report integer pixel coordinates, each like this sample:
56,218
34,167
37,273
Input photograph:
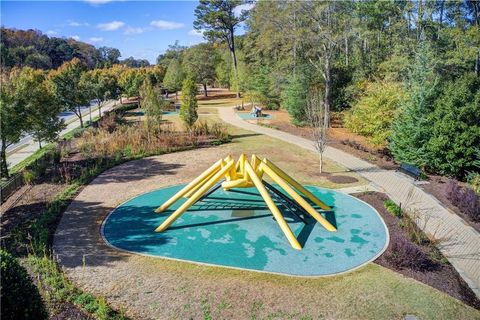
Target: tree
188,110
372,115
131,80
173,77
217,20
294,97
412,127
199,62
41,106
109,55
69,90
152,103
455,139
13,116
316,114
102,85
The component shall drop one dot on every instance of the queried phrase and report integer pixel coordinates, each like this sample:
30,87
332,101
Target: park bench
411,170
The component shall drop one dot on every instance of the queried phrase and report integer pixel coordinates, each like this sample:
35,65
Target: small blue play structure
236,229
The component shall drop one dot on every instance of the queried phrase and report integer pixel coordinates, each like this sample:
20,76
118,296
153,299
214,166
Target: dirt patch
339,138
443,276
342,179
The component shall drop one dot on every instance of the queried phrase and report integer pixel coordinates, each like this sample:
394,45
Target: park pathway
459,242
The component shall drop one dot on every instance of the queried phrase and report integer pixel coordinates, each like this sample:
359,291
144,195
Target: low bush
464,199
393,208
405,254
19,297
29,176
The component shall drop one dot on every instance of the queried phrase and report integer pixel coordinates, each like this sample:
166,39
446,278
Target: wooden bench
411,170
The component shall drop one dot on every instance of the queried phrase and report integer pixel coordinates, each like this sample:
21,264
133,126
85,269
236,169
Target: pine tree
295,98
412,128
188,110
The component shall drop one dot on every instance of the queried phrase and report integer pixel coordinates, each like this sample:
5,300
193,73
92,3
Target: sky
142,29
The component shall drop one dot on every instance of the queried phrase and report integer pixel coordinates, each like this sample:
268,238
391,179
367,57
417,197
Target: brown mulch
339,138
68,311
342,179
443,277
436,187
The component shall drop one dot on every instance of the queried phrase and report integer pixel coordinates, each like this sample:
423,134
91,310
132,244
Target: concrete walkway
459,242
22,152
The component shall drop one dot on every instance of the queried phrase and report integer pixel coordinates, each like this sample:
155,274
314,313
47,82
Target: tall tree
188,110
412,128
152,103
173,77
42,108
70,91
217,20
13,116
199,62
102,85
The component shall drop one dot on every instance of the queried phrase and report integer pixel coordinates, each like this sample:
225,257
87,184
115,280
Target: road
27,146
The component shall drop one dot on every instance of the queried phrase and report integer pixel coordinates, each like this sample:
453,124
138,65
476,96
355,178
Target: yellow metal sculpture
245,174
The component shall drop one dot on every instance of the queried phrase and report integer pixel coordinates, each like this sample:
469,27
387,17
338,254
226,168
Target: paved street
27,146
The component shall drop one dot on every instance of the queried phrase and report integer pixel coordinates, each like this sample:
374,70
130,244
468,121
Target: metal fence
7,188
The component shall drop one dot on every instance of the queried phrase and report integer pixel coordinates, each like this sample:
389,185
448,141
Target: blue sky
142,29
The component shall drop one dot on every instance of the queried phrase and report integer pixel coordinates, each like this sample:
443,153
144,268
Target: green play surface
236,229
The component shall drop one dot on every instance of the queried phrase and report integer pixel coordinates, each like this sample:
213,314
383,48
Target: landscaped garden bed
414,255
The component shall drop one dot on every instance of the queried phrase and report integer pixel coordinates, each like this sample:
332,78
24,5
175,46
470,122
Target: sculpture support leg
273,208
296,185
181,193
195,197
305,205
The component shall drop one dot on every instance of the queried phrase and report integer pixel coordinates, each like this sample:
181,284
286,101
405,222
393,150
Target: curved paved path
460,243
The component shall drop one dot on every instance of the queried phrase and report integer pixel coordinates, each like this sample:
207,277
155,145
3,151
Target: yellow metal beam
296,185
215,167
273,208
305,205
195,197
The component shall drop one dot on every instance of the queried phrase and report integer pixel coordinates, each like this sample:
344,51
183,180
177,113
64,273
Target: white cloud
166,25
111,26
73,23
51,32
95,39
198,33
133,30
98,2
238,10
75,37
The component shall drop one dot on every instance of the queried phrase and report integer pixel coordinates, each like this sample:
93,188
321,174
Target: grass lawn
373,292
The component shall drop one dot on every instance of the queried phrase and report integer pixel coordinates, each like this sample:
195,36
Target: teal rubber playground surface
249,116
236,229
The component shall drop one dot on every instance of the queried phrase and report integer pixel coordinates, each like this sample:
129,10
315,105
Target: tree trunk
39,143
79,115
234,58
321,162
328,88
3,160
205,90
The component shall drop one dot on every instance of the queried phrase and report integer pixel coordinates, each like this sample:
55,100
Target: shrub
464,199
473,179
393,208
405,254
29,176
374,112
19,297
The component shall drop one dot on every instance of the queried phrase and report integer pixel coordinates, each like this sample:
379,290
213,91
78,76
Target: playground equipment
245,174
